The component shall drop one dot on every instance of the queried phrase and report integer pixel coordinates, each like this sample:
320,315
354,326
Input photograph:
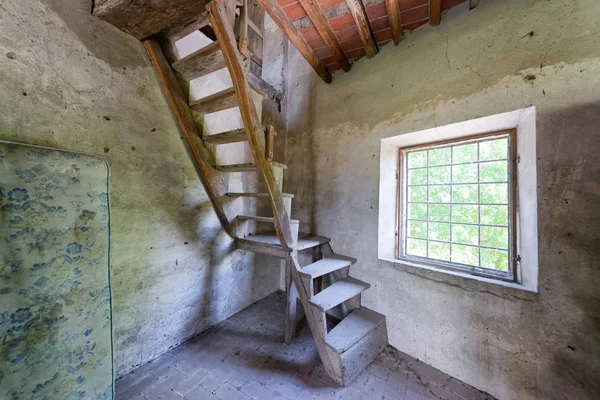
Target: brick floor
245,358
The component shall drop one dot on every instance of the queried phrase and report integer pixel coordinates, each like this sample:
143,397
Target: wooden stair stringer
203,160
316,321
220,14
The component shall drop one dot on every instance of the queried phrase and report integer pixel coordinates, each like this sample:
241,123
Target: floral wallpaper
55,299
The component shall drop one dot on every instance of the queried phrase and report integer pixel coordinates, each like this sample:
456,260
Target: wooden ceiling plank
179,31
393,10
316,16
435,12
278,15
142,19
365,32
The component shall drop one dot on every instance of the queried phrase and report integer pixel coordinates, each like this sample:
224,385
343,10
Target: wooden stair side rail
218,11
187,125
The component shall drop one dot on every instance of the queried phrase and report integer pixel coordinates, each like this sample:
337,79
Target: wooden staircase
347,335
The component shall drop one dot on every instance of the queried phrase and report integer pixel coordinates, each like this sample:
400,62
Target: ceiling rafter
365,31
393,10
316,16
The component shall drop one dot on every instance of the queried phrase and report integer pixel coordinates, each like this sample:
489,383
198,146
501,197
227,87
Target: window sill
512,285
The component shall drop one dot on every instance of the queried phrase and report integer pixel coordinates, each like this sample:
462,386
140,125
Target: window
457,205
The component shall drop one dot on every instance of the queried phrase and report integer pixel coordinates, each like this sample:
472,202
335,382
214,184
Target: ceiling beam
435,12
278,15
316,16
364,27
394,17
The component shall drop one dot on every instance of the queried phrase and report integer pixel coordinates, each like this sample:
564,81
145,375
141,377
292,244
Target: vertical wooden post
291,302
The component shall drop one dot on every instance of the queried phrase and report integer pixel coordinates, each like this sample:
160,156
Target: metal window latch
518,258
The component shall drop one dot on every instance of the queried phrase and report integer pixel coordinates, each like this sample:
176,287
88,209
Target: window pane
417,176
417,229
494,215
465,255
465,234
457,203
439,194
440,156
465,153
439,251
417,194
417,211
464,173
493,149
496,171
465,213
494,259
494,237
416,247
439,212
439,175
464,194
439,231
417,159
496,193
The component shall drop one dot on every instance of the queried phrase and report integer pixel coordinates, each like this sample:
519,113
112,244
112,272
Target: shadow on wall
569,221
94,34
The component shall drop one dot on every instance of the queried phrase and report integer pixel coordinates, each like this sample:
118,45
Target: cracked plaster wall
502,56
71,81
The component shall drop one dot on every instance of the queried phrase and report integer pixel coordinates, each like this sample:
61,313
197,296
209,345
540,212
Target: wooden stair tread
339,292
327,265
263,219
236,135
305,240
237,167
358,324
239,194
242,167
215,102
201,62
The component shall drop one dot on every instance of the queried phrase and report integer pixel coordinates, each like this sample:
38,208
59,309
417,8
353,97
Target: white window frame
525,209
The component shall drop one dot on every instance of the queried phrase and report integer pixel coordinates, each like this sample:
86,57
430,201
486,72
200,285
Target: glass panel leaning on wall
457,205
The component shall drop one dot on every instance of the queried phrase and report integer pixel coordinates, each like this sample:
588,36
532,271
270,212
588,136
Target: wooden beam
201,156
218,11
394,17
278,15
176,32
435,12
364,26
473,4
143,19
315,14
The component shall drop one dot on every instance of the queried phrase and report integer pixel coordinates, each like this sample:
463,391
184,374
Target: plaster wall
502,56
71,81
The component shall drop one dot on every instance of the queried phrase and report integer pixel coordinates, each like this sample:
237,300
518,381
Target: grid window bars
457,205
